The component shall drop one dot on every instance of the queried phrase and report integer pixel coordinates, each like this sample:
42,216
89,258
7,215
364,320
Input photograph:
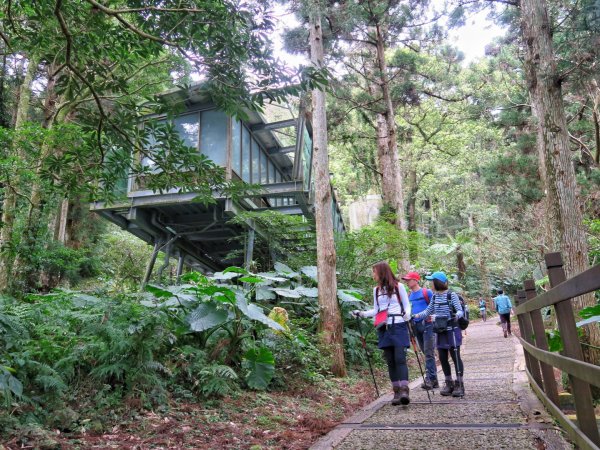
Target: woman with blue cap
445,308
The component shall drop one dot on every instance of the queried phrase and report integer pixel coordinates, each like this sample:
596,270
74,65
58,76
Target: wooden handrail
583,283
580,369
581,374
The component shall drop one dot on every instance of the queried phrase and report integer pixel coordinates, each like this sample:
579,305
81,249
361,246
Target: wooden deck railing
541,363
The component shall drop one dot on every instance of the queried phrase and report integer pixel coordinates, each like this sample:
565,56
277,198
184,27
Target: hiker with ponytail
391,312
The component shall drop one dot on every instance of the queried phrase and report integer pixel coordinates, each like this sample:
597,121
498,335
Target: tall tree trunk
392,177
461,267
10,194
36,222
595,94
331,325
61,225
562,203
413,238
412,199
4,114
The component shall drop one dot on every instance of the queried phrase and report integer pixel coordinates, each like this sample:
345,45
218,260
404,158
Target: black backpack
463,322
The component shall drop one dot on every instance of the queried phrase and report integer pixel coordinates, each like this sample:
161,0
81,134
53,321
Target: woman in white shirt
393,336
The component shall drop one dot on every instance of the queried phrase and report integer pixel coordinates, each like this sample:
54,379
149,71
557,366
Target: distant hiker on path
483,309
503,307
391,310
449,336
419,299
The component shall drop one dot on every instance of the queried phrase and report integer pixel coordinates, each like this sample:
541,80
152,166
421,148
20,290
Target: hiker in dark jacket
391,296
445,308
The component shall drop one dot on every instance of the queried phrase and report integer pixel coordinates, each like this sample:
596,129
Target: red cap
412,276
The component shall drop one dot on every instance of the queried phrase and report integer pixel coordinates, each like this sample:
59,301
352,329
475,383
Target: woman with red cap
393,336
419,299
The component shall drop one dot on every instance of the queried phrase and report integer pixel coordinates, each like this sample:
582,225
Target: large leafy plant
228,310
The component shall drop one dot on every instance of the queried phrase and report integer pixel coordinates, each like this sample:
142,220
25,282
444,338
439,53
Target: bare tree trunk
412,199
331,325
556,166
392,177
595,94
61,231
10,194
461,267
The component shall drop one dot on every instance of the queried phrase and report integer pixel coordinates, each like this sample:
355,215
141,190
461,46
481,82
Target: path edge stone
343,429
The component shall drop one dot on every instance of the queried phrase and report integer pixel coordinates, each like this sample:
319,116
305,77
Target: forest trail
499,409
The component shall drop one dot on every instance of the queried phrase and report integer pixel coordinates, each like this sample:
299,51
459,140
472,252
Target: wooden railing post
582,393
526,333
539,335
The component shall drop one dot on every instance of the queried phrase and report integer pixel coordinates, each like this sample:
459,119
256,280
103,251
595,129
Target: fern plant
216,380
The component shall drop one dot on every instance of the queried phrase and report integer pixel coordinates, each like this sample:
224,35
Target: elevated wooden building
201,235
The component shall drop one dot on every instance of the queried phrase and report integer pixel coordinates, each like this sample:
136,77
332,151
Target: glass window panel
255,162
246,155
277,176
213,142
151,146
187,127
271,172
236,149
263,168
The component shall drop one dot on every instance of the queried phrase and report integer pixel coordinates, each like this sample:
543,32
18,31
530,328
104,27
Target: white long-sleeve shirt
391,304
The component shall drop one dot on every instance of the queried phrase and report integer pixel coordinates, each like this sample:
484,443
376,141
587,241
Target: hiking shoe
427,385
505,333
404,400
396,399
447,389
459,389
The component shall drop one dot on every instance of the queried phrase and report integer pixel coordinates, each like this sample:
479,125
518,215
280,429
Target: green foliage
260,367
201,339
216,380
283,237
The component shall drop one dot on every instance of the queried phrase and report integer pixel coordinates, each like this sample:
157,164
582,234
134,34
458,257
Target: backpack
463,322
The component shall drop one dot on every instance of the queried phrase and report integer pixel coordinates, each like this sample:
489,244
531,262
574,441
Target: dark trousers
458,364
505,320
396,362
426,339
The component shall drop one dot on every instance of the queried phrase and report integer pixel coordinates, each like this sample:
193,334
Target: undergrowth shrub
69,357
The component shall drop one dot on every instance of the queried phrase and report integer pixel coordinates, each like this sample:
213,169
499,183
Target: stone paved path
498,411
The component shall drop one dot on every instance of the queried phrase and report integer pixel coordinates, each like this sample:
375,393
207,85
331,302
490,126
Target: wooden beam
273,125
578,370
582,441
583,283
585,372
281,150
293,210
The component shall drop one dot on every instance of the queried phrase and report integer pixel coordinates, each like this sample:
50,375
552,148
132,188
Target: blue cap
441,276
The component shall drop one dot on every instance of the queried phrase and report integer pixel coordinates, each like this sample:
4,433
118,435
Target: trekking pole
412,339
364,344
456,355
